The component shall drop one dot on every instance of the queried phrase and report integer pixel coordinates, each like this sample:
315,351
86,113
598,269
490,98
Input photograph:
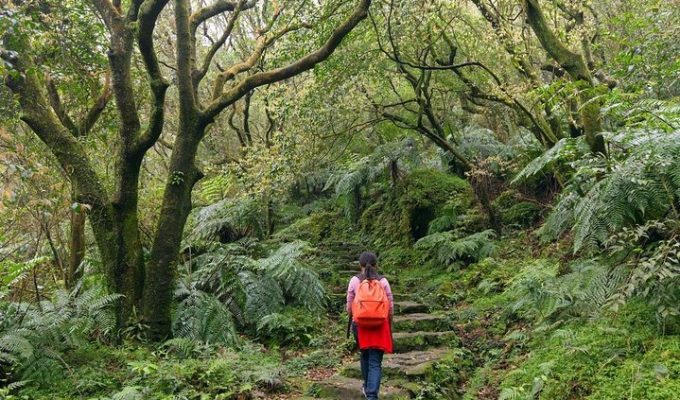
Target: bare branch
303,64
207,60
236,129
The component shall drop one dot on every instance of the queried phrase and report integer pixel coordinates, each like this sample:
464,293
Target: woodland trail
421,338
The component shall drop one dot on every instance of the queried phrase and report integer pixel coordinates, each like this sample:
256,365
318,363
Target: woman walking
370,305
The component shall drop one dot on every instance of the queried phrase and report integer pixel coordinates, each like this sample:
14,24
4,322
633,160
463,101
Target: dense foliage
185,187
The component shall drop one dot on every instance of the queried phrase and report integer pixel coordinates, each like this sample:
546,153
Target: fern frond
566,149
447,249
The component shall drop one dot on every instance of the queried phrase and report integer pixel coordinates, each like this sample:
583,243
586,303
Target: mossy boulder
401,215
515,211
407,366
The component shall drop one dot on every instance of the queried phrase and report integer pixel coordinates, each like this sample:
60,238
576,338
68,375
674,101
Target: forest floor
510,325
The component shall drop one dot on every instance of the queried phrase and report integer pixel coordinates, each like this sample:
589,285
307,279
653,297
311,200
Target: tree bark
76,243
577,68
161,268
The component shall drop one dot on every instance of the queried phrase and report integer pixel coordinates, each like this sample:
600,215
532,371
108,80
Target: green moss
516,212
392,220
219,373
582,360
653,376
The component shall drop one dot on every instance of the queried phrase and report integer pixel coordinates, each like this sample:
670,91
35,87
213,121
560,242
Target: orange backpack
370,307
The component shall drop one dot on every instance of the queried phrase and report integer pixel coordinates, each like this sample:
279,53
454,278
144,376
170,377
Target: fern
360,172
641,182
234,218
33,337
12,273
298,281
654,272
513,394
648,114
564,151
203,317
131,393
447,249
240,291
478,144
561,219
215,188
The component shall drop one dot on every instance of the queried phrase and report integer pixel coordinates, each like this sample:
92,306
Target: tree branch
148,15
107,11
58,107
303,64
262,43
187,94
207,60
572,62
98,107
216,8
37,113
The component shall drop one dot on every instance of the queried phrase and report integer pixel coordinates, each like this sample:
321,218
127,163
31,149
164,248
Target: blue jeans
371,371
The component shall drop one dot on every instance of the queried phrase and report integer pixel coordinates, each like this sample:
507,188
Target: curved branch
207,60
217,8
95,112
301,65
58,107
148,16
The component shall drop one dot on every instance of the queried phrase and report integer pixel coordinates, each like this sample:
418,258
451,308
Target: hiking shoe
363,391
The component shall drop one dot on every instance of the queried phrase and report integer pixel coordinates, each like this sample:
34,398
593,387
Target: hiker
370,306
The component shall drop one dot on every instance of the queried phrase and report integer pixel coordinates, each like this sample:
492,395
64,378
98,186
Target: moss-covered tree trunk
576,67
76,243
160,270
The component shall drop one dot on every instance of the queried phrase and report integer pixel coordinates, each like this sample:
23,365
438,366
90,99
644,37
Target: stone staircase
421,338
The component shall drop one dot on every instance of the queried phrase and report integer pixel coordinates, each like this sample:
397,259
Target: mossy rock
521,214
340,387
400,216
316,227
516,212
413,365
410,307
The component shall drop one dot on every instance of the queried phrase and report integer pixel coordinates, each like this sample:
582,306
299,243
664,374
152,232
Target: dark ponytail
369,262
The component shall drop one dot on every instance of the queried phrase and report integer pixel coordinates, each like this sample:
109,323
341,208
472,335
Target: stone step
422,322
340,387
410,307
405,342
411,365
